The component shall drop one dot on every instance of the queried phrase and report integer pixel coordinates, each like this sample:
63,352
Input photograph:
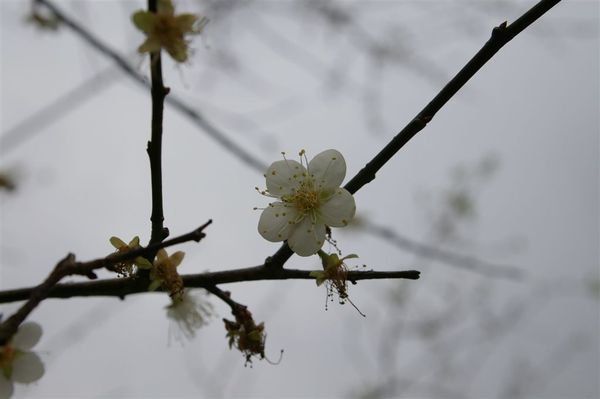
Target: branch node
198,234
68,262
499,30
164,233
91,275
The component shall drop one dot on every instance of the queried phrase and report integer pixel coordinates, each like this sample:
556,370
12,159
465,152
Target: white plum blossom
309,199
17,362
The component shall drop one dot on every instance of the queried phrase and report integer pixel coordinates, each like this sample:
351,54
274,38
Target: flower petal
176,258
143,20
154,285
151,45
177,49
185,22
277,221
6,386
284,176
27,336
27,368
161,255
307,237
135,242
328,169
117,242
339,210
143,263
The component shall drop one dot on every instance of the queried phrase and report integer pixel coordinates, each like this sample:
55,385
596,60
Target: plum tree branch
158,92
273,267
501,35
68,266
284,253
121,287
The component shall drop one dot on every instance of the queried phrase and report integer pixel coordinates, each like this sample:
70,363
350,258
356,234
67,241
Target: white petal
307,237
6,387
328,169
27,336
283,177
276,221
339,210
27,368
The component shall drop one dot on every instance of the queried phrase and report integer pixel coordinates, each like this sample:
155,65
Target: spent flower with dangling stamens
247,336
310,199
335,277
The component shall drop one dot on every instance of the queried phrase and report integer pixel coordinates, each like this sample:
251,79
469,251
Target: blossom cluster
187,311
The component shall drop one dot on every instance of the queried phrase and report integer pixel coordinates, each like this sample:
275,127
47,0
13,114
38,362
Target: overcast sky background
290,81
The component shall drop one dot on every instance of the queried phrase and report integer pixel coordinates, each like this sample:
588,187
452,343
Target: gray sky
85,177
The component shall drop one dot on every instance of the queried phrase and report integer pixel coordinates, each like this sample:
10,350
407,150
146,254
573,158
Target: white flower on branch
310,198
17,362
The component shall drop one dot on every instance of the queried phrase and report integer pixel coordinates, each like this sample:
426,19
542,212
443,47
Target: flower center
166,28
305,198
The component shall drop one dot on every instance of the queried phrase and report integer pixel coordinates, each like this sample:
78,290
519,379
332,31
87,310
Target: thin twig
225,297
159,92
68,266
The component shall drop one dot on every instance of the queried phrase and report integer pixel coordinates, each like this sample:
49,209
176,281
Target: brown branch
225,296
501,35
159,92
121,287
67,267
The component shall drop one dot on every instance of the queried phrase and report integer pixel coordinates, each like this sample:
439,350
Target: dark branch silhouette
501,35
121,287
68,266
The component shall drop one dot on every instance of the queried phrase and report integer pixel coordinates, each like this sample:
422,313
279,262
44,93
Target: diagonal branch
501,35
